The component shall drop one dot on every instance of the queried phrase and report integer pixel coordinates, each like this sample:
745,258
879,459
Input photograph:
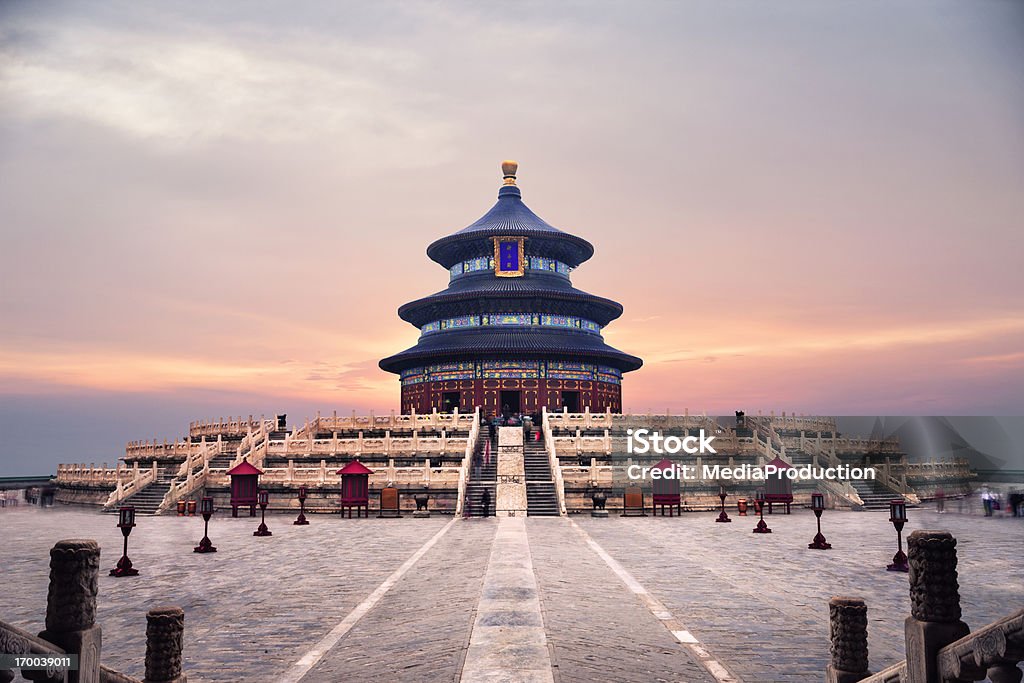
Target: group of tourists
529,423
993,502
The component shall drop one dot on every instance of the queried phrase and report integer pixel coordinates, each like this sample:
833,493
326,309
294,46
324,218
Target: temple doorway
510,402
571,401
449,401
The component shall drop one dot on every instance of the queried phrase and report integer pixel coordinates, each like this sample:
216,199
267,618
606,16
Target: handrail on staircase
467,462
556,468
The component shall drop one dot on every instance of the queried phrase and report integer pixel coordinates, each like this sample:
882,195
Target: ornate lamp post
898,517
818,505
264,499
206,510
302,507
126,522
762,527
722,516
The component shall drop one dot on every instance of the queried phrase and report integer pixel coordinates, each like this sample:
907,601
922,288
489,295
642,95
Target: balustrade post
934,620
848,626
71,608
165,638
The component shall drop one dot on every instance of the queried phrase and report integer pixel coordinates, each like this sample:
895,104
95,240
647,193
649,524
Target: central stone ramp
508,641
510,499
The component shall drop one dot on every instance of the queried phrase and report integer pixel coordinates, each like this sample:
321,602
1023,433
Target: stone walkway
624,599
508,641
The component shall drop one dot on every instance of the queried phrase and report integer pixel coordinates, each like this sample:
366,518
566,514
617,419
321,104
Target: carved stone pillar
934,620
165,634
71,606
848,625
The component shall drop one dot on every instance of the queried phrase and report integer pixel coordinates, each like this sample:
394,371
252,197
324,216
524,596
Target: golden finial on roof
509,168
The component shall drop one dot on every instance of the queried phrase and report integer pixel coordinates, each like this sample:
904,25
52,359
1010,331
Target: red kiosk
245,484
778,488
355,488
666,490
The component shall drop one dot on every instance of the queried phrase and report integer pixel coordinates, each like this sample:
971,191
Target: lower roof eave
410,358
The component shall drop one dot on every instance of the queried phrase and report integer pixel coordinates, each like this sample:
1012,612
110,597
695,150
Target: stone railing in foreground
71,627
939,646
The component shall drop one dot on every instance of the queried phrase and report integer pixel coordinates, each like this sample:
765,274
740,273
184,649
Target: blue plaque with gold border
509,260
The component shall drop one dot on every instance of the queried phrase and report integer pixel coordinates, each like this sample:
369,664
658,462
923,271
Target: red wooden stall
666,491
355,488
778,488
245,483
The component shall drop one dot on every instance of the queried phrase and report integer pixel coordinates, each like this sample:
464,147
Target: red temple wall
426,396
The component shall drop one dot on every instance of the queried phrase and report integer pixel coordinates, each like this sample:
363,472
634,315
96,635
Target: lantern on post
762,527
263,497
818,505
206,510
302,507
898,517
722,516
126,522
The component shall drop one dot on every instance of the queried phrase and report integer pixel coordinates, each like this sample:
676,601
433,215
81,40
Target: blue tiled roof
515,344
510,217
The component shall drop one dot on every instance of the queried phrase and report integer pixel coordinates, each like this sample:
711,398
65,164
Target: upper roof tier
510,217
533,292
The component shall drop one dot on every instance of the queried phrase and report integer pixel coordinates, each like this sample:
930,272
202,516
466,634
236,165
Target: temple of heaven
510,333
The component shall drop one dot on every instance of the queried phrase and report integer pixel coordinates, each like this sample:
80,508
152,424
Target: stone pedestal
165,634
421,514
71,608
934,620
848,625
603,514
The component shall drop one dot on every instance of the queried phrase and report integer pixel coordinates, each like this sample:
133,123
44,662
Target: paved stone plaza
545,599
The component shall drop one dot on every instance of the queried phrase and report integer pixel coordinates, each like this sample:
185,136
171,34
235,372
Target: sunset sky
213,209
